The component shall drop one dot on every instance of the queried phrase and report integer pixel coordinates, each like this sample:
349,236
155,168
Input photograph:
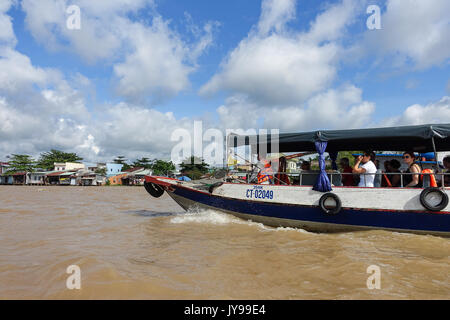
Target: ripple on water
152,214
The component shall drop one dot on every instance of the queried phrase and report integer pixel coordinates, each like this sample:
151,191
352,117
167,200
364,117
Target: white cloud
204,36
435,112
58,119
331,24
335,108
239,113
276,70
113,7
278,78
64,100
103,25
136,131
17,72
156,66
413,31
275,15
15,124
332,109
38,108
276,66
149,59
32,131
6,29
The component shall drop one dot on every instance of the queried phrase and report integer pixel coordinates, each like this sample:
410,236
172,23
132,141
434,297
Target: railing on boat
440,177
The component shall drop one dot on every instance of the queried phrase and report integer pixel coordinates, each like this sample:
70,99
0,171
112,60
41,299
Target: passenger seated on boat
347,177
265,175
386,180
377,180
411,180
446,171
281,178
367,170
308,177
446,163
393,179
306,166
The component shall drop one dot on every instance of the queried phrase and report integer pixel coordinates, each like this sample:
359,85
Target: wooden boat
324,207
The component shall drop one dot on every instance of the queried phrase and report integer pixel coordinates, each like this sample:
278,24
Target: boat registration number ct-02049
259,193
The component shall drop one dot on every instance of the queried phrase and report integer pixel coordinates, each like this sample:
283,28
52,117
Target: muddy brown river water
131,246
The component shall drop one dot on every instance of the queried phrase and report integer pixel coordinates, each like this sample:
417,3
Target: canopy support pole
435,154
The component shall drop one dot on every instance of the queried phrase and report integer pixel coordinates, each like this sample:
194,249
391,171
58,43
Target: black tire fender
154,190
430,206
330,211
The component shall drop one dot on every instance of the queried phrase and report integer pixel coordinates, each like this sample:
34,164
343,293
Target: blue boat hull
312,218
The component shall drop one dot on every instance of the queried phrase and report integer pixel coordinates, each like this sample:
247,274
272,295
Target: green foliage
101,171
220,173
349,155
194,174
162,168
194,167
123,161
145,163
21,162
47,159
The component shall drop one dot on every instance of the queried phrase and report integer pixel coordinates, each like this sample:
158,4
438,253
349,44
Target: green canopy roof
416,138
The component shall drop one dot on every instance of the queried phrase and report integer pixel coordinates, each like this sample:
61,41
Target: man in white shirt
367,169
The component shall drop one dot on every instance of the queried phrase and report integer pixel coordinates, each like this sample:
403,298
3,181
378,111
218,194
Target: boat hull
309,216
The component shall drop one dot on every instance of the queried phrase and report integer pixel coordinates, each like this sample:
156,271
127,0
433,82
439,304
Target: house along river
128,245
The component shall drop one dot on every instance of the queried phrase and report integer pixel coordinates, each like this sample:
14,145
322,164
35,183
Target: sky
134,71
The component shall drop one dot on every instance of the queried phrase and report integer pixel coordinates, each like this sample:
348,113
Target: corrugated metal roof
60,173
133,170
67,174
144,172
19,174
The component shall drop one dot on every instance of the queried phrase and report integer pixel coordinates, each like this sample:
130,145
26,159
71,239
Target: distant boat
320,206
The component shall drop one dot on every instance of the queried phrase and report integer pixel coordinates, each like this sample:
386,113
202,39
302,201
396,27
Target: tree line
159,167
192,167
23,162
46,161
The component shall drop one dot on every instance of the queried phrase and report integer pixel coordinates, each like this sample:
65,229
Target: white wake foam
220,218
206,216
